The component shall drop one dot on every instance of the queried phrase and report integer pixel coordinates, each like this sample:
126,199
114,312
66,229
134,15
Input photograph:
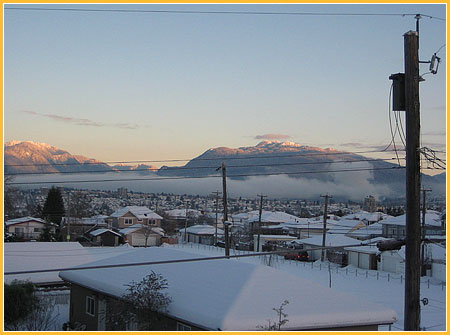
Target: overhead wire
226,158
171,169
200,177
172,11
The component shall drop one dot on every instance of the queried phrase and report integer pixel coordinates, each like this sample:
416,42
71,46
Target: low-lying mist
346,185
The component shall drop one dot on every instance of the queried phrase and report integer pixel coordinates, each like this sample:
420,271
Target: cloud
363,146
82,122
272,137
348,185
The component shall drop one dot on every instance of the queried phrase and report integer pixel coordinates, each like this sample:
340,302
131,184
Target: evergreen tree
53,210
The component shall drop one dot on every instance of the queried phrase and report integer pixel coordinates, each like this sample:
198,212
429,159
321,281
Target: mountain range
265,158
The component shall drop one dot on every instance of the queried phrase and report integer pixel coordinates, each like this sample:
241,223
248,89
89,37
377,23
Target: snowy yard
380,287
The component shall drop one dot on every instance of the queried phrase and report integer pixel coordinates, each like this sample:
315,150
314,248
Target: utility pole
185,223
324,233
225,209
424,210
259,219
68,216
217,214
413,236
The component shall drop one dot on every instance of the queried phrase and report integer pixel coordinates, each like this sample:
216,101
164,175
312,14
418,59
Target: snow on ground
380,287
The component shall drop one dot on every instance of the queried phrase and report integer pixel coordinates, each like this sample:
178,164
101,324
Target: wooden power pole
225,209
259,219
424,210
413,235
217,214
68,217
324,233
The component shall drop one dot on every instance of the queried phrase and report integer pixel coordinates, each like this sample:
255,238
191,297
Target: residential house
141,235
28,228
337,254
78,227
201,234
183,213
219,295
131,215
395,227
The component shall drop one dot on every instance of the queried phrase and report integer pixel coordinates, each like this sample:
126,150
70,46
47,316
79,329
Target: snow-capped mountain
29,157
269,157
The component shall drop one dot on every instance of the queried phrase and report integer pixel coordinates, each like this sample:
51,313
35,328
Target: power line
198,167
220,158
179,260
215,12
202,177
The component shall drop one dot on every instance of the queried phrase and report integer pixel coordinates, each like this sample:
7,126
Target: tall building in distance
123,192
370,204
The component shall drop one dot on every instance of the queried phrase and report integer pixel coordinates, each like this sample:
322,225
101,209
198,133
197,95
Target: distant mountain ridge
30,157
265,158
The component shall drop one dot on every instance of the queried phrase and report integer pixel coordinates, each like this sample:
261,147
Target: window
90,305
182,327
37,230
19,231
128,221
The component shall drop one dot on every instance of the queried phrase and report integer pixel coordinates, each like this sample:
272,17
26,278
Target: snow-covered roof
230,295
23,220
102,231
432,218
373,229
367,216
138,226
28,256
278,237
344,226
97,219
140,212
275,217
181,213
330,240
203,230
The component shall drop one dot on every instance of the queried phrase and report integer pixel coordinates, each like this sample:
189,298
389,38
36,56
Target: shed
106,237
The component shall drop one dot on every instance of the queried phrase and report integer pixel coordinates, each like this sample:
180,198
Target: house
28,228
141,235
201,234
106,237
265,241
77,227
131,215
330,241
183,214
365,256
395,227
222,294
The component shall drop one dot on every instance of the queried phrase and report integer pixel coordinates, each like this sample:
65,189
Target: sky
152,86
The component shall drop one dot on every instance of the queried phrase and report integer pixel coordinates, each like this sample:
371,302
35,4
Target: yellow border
197,2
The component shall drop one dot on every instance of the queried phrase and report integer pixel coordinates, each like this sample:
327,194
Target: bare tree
141,305
282,319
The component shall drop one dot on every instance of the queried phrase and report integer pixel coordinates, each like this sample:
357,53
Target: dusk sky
151,86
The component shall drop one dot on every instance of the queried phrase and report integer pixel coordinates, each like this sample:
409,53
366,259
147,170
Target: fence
276,260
